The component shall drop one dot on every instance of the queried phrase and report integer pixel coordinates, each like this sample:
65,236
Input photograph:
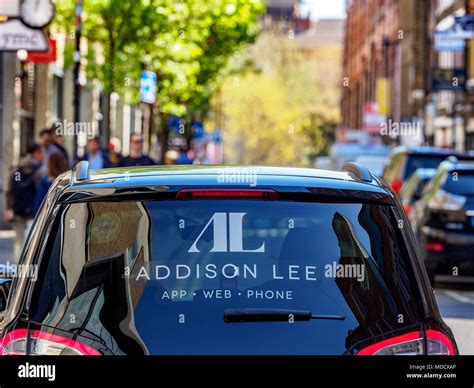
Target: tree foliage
186,42
284,113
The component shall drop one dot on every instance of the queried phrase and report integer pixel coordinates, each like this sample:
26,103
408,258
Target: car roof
367,148
463,165
371,157
425,172
424,151
198,170
219,176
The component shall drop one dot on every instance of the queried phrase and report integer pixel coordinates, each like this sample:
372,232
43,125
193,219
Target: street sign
457,33
344,135
466,22
373,119
44,57
444,41
10,8
449,79
216,136
383,95
14,36
148,81
175,124
215,148
198,130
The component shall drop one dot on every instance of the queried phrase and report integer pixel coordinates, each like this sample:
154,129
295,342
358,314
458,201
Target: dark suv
403,161
445,221
222,261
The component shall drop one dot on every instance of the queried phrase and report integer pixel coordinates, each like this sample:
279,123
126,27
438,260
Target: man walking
95,156
21,193
136,156
47,146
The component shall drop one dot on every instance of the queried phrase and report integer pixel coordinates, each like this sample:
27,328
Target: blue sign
175,124
198,130
148,81
449,79
466,22
216,136
447,41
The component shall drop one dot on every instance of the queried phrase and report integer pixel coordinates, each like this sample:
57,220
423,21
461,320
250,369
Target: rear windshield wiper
273,315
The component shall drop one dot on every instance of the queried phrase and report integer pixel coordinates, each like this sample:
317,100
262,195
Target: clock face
36,13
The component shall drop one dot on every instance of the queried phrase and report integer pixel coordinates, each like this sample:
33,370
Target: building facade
285,15
369,54
450,113
410,62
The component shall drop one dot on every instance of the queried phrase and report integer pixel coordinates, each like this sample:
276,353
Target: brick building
386,60
393,63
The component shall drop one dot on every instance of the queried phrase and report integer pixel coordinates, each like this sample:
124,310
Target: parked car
374,163
341,153
221,260
322,162
412,189
445,221
403,161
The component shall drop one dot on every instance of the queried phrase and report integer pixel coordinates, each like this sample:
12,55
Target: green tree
116,30
188,43
191,58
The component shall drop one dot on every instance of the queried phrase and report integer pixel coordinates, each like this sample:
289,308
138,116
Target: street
457,309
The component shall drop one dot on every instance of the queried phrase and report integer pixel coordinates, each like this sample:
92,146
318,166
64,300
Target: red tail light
42,344
227,193
434,247
411,344
407,208
397,185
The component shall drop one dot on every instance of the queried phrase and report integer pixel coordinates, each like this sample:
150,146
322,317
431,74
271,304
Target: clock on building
36,13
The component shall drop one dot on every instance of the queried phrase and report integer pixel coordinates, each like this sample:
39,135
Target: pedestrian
20,195
184,156
48,147
58,141
57,164
113,154
95,156
136,156
171,157
200,152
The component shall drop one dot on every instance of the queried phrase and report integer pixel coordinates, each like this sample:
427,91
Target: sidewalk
463,330
7,239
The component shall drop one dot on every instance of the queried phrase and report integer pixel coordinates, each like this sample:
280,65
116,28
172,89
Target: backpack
23,183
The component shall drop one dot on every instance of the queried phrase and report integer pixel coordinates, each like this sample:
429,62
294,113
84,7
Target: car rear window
460,183
422,161
156,277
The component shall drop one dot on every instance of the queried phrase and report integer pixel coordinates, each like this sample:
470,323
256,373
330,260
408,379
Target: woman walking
57,164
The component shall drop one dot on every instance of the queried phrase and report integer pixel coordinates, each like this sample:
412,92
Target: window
156,277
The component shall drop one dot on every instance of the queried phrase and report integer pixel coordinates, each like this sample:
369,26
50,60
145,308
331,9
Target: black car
403,161
209,260
445,221
412,189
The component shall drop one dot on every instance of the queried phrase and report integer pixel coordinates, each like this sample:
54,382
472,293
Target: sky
324,9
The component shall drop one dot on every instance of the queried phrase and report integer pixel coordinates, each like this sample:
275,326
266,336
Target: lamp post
77,68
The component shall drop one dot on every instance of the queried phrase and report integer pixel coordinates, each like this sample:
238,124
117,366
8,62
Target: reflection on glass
155,277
